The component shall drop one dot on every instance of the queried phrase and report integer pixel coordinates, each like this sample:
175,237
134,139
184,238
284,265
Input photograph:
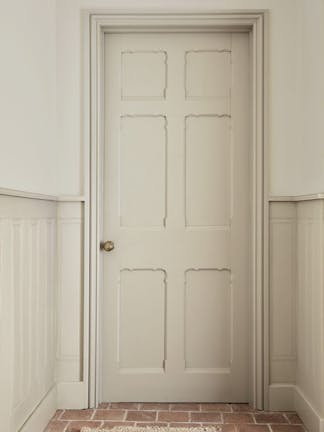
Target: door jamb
95,25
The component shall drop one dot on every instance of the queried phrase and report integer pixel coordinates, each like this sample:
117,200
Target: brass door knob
107,246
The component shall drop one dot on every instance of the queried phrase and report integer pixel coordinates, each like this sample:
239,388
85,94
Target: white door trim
96,24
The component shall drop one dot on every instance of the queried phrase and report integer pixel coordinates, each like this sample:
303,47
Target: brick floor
231,417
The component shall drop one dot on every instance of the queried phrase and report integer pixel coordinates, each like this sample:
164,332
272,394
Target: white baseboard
312,420
72,395
286,397
63,395
39,419
281,397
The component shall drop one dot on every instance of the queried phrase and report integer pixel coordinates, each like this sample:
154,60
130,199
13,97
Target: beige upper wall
309,157
41,65
27,95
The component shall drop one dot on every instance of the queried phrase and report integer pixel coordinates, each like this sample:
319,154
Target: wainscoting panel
70,270
41,309
28,306
297,308
72,392
310,302
282,293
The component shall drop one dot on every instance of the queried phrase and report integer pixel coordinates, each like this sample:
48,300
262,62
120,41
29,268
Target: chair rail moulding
296,198
95,24
38,196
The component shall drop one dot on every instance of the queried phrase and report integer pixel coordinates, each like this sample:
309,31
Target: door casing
95,25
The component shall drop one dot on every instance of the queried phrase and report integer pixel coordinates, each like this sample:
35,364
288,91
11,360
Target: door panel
136,285
142,157
177,205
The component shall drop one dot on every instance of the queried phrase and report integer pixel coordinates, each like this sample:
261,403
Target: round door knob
107,246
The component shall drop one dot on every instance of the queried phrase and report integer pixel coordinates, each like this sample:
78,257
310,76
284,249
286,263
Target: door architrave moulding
95,25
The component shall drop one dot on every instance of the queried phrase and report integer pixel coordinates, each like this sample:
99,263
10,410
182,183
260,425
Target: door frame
95,25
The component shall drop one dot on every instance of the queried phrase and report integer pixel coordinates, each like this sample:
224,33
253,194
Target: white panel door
177,207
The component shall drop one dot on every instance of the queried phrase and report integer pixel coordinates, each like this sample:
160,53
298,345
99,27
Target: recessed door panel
208,170
142,169
141,302
207,320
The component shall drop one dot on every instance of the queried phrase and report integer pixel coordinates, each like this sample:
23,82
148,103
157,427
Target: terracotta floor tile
252,428
56,426
77,414
241,417
206,417
242,408
154,406
218,407
293,418
270,418
141,416
124,405
111,424
173,416
228,417
287,428
57,414
76,426
185,407
109,414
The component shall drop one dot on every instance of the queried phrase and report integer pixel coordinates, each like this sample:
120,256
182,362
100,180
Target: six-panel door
177,202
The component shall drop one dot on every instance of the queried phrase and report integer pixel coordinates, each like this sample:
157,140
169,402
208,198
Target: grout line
59,417
93,414
125,415
286,417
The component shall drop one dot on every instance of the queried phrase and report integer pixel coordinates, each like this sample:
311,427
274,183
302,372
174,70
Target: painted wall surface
28,94
308,153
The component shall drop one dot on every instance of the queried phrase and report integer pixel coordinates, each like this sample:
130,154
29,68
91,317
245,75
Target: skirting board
42,414
312,420
72,395
281,397
287,397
